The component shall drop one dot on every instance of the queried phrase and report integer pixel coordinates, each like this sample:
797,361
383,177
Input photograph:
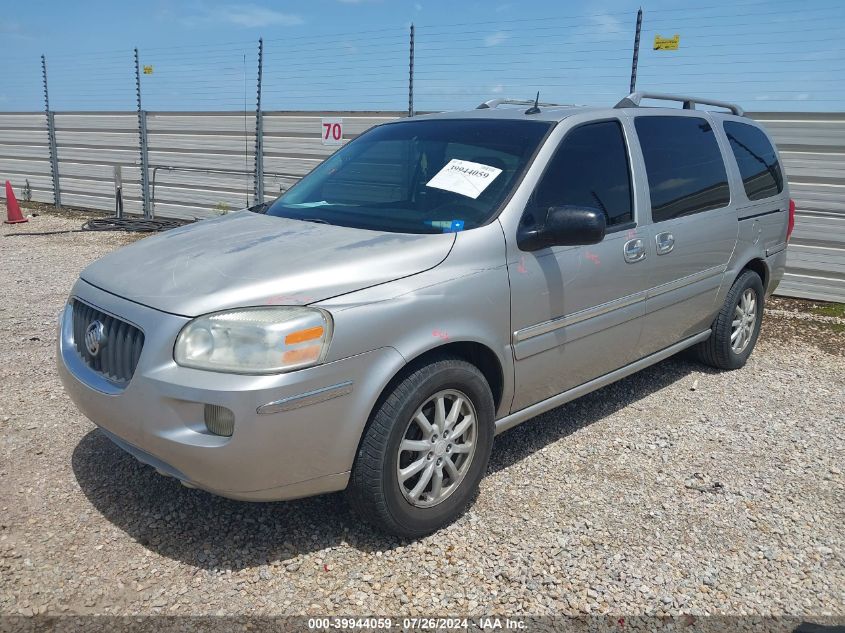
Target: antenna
535,109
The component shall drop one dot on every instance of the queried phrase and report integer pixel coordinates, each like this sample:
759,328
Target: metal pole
259,131
636,58
142,140
411,75
51,138
118,192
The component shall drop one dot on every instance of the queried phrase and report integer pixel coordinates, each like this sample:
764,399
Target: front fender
464,299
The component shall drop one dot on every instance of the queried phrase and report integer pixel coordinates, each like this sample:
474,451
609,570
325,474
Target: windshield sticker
447,226
464,177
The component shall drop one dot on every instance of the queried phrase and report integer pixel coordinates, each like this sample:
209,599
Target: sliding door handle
634,251
665,243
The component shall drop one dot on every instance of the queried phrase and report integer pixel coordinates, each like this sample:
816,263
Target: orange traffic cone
13,210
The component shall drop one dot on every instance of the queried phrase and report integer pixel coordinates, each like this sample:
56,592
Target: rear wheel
736,328
425,451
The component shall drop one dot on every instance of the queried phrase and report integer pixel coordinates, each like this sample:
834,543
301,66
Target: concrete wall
201,164
812,147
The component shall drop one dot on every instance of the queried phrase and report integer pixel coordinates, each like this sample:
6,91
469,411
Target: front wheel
425,451
737,326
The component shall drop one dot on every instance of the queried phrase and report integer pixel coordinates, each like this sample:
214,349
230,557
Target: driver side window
589,169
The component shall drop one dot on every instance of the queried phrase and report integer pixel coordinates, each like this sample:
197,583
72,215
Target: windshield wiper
314,220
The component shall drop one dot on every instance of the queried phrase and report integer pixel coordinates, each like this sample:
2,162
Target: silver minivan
435,282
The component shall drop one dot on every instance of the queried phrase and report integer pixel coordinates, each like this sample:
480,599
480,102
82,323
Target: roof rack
633,101
495,103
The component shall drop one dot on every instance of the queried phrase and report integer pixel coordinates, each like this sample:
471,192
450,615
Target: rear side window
757,160
685,170
589,169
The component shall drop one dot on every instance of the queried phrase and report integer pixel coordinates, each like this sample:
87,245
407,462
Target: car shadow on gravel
211,532
205,530
524,440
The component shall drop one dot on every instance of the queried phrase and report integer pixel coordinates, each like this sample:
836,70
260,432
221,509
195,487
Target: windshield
417,177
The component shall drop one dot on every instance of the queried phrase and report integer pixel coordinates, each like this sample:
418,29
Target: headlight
255,340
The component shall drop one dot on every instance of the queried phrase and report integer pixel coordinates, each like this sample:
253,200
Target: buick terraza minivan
435,282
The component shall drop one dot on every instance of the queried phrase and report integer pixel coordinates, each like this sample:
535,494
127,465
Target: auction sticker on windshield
464,177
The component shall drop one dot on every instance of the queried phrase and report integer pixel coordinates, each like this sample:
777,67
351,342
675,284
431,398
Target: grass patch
829,309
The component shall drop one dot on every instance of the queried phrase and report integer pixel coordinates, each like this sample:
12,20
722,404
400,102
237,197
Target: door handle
634,251
665,243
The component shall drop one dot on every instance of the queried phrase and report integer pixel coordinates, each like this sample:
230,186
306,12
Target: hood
248,259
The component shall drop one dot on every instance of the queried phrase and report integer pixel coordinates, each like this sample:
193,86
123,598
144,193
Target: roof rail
495,103
633,101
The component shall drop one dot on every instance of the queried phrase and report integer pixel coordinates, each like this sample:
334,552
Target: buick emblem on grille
95,337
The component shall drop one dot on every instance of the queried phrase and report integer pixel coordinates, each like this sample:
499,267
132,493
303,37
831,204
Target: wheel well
479,355
759,267
485,359
476,353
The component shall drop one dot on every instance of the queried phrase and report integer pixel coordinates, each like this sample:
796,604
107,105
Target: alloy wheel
437,448
744,322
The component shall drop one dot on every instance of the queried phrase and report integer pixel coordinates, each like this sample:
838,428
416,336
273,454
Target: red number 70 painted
334,129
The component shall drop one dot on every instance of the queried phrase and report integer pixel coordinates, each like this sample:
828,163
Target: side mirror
261,207
564,226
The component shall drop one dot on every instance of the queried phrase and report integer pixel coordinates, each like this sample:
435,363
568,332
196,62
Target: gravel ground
677,490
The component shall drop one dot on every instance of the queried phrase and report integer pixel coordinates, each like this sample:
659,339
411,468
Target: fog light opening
219,420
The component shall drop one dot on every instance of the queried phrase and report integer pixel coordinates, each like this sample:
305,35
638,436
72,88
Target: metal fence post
142,142
411,74
259,131
51,138
636,58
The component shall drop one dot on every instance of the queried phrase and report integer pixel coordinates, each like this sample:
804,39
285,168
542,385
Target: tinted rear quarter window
589,169
757,160
686,173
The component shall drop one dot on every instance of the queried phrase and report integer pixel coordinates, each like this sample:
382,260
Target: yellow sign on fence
148,70
667,43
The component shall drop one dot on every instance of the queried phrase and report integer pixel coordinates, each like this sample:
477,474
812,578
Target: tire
375,491
718,350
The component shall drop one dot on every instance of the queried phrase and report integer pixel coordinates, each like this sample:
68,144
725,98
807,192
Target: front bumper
159,416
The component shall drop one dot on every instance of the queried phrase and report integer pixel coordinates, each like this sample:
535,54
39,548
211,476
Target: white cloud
243,15
10,26
12,29
607,24
672,183
251,16
494,39
803,96
497,89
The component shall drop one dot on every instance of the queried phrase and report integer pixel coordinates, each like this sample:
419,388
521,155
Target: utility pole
142,141
636,58
51,138
411,75
258,175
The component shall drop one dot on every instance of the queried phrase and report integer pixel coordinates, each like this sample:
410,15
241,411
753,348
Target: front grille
118,354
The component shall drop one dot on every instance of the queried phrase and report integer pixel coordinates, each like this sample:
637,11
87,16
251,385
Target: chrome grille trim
118,359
